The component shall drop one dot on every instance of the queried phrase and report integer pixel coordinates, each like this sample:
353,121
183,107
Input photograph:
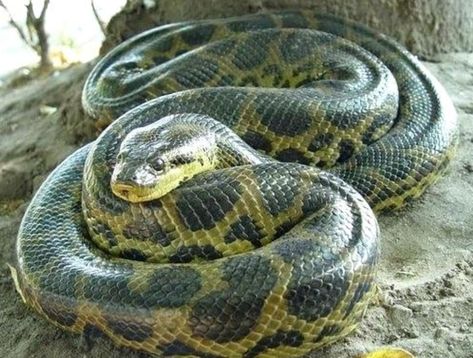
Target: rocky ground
426,270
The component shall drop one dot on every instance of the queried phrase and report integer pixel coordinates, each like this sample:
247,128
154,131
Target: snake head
157,158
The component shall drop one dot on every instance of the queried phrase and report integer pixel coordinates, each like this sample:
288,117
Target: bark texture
426,27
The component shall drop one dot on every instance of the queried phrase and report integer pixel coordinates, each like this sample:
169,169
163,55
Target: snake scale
229,211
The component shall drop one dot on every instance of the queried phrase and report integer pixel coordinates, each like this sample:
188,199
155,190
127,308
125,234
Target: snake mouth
123,191
135,185
136,194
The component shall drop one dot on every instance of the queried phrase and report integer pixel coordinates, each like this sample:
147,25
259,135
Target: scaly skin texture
264,259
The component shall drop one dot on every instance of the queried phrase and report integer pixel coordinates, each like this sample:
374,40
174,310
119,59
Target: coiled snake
198,223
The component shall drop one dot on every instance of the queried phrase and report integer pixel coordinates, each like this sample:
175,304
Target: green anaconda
228,208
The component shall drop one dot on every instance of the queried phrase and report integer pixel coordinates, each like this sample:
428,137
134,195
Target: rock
441,332
416,306
15,181
400,315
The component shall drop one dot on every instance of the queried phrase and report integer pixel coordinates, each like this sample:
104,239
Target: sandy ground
426,270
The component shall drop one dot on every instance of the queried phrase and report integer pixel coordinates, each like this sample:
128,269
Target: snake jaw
125,191
137,183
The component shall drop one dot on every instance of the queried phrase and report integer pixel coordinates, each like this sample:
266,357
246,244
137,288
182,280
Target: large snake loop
264,255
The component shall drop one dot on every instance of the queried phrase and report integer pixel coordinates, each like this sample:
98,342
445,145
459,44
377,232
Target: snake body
267,255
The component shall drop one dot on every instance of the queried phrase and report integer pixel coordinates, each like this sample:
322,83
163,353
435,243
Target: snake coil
267,258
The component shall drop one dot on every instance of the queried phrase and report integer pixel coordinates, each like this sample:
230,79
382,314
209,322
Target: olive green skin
93,263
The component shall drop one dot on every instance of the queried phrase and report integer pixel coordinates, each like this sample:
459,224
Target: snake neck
232,151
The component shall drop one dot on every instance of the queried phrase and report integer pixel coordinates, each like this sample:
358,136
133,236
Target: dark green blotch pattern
223,47
224,317
257,141
296,120
163,44
274,71
400,169
174,286
159,59
247,270
329,330
130,330
105,203
361,290
378,122
148,230
245,229
178,348
110,289
318,281
295,46
286,84
91,331
252,52
346,150
312,297
280,338
202,209
249,81
196,72
337,115
180,52
169,287
198,35
133,254
321,141
291,250
226,80
292,155
189,253
315,200
104,230
108,204
230,314
278,187
182,159
58,314
284,228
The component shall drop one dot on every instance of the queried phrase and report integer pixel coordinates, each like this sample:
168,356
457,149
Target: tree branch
43,10
14,24
35,26
35,35
97,17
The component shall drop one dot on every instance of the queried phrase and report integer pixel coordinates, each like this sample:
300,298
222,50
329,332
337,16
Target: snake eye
158,165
